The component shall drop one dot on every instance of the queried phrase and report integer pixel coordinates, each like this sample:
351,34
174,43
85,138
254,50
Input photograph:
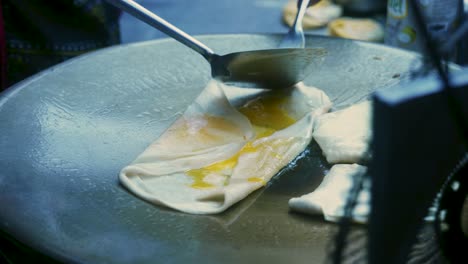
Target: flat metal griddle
66,133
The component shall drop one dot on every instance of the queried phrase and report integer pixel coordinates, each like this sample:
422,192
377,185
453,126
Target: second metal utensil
295,36
273,68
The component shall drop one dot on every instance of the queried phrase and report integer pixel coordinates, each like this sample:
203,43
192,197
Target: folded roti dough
331,196
213,156
344,135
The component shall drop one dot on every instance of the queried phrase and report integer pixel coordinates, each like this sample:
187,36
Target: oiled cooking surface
66,133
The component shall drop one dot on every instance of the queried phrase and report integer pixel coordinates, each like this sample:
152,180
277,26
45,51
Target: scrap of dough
355,28
329,199
316,16
210,131
344,135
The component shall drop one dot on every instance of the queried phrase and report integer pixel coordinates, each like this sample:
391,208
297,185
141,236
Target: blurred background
208,17
38,36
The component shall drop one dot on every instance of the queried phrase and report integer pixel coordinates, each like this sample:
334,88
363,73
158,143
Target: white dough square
330,198
344,135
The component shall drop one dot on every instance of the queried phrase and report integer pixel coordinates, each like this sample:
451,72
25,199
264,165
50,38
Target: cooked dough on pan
344,135
329,199
215,155
316,16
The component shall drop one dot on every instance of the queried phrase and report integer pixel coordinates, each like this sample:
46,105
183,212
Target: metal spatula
273,68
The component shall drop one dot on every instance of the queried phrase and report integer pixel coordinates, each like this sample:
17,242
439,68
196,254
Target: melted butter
267,112
256,179
262,131
198,176
267,117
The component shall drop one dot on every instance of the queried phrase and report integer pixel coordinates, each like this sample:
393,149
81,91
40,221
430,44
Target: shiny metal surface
270,68
150,18
66,133
295,36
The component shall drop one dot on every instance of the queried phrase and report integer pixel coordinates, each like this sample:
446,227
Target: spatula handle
157,22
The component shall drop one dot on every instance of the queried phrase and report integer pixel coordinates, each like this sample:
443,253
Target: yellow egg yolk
267,112
256,179
266,116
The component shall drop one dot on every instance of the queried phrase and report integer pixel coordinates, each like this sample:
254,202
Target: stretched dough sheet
344,135
330,198
214,155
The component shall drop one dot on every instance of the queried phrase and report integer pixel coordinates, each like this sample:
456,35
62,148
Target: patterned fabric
3,59
42,33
